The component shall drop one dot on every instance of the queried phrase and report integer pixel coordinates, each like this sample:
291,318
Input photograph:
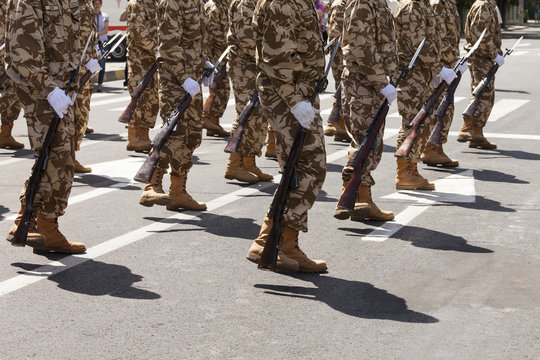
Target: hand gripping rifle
19,239
348,197
485,83
125,117
218,79
147,169
418,121
448,99
289,180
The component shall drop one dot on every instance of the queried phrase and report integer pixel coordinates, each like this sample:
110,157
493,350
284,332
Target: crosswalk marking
504,107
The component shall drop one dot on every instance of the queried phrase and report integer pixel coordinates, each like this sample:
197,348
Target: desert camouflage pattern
242,69
370,58
217,27
483,15
181,32
290,56
142,41
335,28
43,48
415,20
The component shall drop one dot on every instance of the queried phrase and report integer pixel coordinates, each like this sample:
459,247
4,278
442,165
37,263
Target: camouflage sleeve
27,50
138,29
483,17
335,20
170,30
278,58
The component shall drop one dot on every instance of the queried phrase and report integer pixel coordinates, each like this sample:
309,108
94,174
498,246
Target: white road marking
519,53
504,107
115,100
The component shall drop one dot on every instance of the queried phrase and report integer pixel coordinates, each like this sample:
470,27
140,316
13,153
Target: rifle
418,121
485,83
348,197
289,180
40,166
448,99
218,79
243,118
335,114
125,117
147,169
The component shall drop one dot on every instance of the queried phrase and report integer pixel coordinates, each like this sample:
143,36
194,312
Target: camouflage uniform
42,50
142,41
370,56
335,22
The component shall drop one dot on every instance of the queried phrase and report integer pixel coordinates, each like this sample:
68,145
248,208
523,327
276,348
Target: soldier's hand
463,68
209,80
304,112
59,101
390,93
447,74
499,60
191,86
93,66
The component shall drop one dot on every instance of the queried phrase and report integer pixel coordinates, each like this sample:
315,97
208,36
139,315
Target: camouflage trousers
55,187
447,121
337,66
478,68
311,165
221,99
10,107
178,150
147,108
413,91
82,111
360,103
243,76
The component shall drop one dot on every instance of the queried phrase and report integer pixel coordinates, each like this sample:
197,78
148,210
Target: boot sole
360,214
482,147
39,251
176,208
279,269
229,177
152,203
419,187
436,164
341,213
307,271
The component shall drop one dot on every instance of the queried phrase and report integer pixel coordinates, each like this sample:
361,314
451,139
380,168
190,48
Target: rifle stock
479,91
243,118
336,109
209,103
435,136
125,117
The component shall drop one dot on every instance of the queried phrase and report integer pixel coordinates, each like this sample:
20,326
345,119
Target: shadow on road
497,176
20,153
95,278
354,298
3,210
104,137
98,181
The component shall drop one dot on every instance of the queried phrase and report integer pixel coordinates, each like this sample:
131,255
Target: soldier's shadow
95,278
353,298
514,154
3,210
104,137
497,176
20,153
99,181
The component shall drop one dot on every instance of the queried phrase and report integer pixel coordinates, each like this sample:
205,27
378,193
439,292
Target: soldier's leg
82,115
211,119
433,155
10,109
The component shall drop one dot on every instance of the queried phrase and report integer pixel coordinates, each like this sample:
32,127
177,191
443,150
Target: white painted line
110,101
384,232
504,107
519,53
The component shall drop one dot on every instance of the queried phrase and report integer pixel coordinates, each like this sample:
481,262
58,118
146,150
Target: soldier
42,50
142,44
216,30
414,20
181,34
242,69
9,104
82,102
449,22
337,10
483,15
370,58
289,56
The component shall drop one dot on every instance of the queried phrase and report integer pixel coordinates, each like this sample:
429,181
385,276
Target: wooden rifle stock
147,169
125,117
479,91
243,118
209,103
435,136
336,109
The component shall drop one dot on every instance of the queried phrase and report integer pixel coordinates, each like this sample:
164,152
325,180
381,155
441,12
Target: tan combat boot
207,122
142,134
235,170
33,238
330,129
407,177
284,264
251,166
434,155
153,193
180,199
271,145
134,143
289,244
341,134
80,169
481,142
467,133
88,130
376,214
6,140
360,210
215,129
55,241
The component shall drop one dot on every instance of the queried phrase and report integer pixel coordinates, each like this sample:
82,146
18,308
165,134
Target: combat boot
467,133
374,213
80,169
153,193
330,129
33,237
434,155
142,134
55,241
180,199
251,166
134,143
481,142
207,122
235,170
283,264
408,178
271,145
88,130
289,244
215,129
6,140
341,134
361,208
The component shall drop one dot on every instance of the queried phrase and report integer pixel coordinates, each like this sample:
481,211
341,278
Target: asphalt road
455,276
